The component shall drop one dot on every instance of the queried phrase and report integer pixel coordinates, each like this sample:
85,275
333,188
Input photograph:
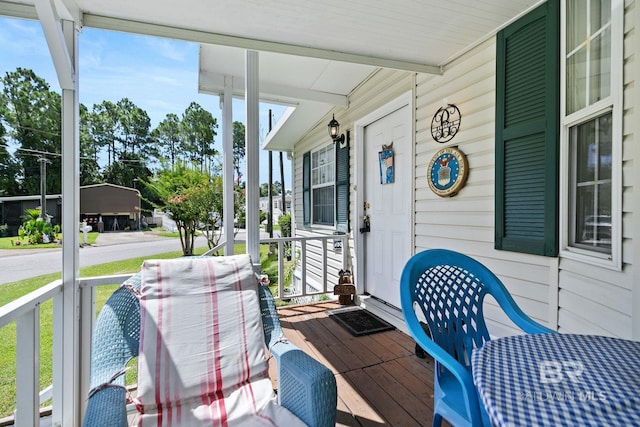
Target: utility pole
270,192
282,189
43,187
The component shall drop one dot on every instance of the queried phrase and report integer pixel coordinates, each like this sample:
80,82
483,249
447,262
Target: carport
117,207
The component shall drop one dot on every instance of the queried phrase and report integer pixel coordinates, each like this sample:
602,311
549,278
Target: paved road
22,264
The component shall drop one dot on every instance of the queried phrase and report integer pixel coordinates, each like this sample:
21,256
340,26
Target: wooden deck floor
380,380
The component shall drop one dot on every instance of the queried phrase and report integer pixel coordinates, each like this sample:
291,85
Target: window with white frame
590,123
323,186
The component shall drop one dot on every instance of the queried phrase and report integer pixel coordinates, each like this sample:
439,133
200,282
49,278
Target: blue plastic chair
305,386
448,288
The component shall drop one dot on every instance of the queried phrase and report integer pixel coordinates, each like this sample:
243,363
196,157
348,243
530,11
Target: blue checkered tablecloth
559,380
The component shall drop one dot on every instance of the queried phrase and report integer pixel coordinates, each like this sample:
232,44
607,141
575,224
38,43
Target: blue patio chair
305,387
448,289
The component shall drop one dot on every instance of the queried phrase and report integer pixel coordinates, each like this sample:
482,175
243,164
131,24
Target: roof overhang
312,54
309,87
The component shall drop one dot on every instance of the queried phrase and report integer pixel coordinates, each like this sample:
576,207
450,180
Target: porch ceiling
313,53
311,87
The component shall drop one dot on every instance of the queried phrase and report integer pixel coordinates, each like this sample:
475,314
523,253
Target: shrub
285,224
285,229
37,230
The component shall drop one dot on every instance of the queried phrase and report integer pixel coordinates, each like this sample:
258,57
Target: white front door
387,245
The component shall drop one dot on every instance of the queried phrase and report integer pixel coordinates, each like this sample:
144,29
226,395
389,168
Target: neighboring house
277,206
117,206
12,209
549,112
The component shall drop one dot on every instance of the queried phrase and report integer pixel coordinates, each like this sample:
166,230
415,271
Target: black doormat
359,321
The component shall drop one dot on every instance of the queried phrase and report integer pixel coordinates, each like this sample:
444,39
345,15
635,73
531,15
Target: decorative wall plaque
447,172
385,157
445,123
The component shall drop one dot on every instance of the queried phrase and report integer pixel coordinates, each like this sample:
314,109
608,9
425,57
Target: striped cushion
202,358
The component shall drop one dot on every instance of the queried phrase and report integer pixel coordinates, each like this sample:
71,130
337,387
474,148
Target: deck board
380,380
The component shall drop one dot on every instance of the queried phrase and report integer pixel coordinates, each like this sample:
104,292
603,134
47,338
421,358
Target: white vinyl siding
465,223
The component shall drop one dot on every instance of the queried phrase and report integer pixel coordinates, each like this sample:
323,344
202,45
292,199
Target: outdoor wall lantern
334,131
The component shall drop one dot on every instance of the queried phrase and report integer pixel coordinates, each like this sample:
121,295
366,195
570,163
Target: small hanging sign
445,123
385,158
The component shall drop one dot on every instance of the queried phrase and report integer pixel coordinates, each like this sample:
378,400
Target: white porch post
634,127
227,164
253,154
67,399
62,40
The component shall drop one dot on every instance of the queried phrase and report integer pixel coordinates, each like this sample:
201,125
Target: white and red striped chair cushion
202,359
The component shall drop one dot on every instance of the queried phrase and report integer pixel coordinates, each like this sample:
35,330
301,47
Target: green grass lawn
275,227
12,242
164,233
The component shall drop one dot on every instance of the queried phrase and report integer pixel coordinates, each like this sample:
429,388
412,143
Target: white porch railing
25,311
299,250
309,253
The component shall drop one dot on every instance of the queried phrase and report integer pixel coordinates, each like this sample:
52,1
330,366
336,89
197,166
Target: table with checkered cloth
559,379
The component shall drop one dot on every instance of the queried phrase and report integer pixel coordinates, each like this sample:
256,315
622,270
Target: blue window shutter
306,189
527,133
342,187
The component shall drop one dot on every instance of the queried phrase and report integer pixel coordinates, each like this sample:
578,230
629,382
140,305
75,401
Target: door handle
366,224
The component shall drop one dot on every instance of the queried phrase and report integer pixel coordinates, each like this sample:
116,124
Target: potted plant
4,230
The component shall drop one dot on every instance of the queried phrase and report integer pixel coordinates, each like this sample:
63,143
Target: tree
8,168
134,125
32,115
211,197
124,129
239,150
168,138
199,130
275,188
188,196
103,127
89,149
129,167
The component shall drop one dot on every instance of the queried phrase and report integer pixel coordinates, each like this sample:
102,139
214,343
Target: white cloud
17,32
170,49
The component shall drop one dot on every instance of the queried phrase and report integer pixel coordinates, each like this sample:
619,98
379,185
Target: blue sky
158,75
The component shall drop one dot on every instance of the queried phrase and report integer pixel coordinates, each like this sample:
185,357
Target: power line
44,132
39,153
